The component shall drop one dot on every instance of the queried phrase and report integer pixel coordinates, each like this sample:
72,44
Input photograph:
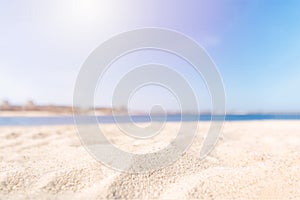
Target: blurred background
255,45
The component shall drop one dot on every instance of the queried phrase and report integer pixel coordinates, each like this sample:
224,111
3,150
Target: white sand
252,160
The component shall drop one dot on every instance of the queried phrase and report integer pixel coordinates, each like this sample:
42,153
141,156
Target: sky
255,45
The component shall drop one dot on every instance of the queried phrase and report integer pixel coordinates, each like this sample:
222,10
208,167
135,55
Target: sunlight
88,12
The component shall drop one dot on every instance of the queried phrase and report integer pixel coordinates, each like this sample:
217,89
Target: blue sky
255,45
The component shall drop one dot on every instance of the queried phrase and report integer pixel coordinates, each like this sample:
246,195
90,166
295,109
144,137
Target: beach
252,160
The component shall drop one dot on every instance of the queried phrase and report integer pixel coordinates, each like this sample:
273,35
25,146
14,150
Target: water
68,120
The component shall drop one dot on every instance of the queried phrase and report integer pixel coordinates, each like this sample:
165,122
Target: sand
252,160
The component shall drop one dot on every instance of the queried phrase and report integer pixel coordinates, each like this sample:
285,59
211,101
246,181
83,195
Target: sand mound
257,160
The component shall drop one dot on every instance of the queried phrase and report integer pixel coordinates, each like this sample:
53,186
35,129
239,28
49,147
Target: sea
70,120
